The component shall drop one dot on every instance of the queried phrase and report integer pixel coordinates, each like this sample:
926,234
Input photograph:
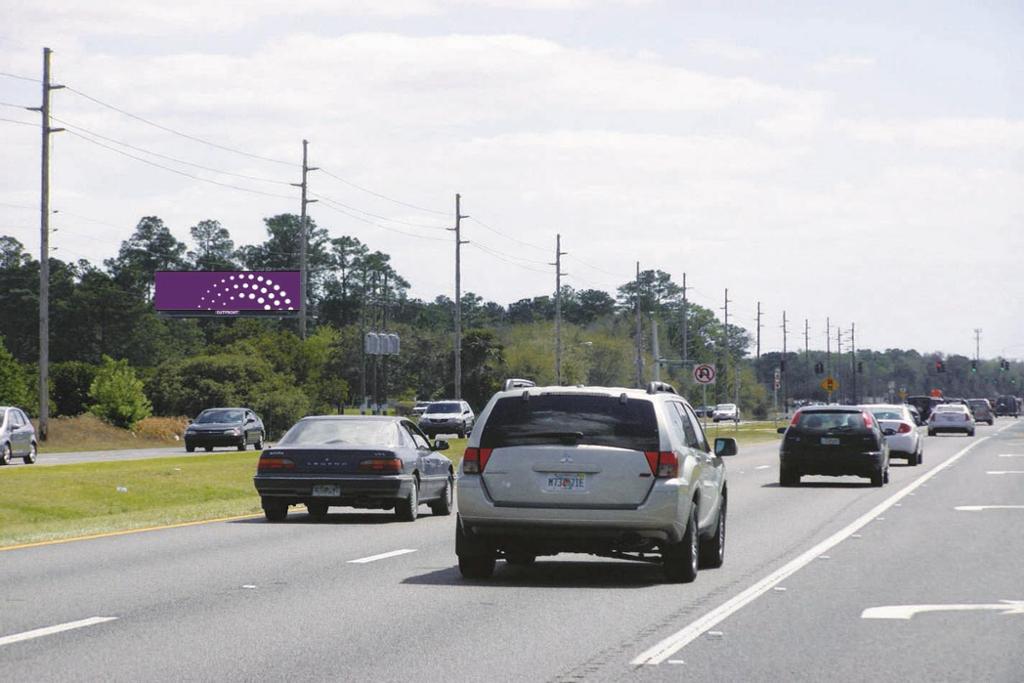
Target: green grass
745,433
67,501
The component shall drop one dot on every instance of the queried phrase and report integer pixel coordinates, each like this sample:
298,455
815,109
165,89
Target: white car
951,417
726,411
900,431
447,417
612,472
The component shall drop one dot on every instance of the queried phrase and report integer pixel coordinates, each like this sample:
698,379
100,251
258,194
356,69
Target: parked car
613,472
17,436
1007,405
900,430
951,417
420,408
726,411
833,441
924,404
982,410
447,417
373,462
236,427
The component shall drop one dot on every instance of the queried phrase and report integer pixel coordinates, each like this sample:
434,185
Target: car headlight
236,431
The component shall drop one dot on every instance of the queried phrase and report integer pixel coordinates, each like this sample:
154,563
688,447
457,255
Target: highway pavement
919,580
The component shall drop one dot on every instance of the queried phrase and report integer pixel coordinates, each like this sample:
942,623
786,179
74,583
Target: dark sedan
355,461
833,441
236,427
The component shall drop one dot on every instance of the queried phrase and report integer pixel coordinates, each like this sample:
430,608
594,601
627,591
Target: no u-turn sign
704,373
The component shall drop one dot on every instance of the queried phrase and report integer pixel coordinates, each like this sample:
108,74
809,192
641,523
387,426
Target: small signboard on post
830,384
704,373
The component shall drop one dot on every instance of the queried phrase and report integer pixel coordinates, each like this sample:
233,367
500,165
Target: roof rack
514,383
656,387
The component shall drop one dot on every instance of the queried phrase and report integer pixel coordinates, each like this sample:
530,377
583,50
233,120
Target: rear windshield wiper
567,436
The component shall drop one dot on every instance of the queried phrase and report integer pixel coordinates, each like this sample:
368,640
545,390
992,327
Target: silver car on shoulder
900,431
613,472
17,436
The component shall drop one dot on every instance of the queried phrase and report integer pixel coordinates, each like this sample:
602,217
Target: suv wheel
679,560
712,550
476,559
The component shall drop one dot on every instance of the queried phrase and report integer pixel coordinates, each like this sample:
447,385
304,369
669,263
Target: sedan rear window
572,419
341,432
883,414
824,421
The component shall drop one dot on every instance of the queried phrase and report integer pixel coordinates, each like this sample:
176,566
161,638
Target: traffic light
819,368
974,366
860,367
940,366
1004,364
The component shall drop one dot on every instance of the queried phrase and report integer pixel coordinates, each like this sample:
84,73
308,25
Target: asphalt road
247,600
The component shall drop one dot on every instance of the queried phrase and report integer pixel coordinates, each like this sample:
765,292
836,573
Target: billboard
230,293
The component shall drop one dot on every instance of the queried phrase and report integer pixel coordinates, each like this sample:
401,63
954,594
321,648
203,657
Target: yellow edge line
125,532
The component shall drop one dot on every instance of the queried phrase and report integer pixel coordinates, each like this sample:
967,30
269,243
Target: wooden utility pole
458,294
44,250
303,240
853,361
759,326
725,344
558,307
686,324
782,365
639,334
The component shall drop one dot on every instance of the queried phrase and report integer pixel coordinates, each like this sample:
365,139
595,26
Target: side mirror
725,445
782,430
439,445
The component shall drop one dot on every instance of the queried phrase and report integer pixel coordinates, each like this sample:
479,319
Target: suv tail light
273,464
904,428
381,466
967,417
474,460
663,464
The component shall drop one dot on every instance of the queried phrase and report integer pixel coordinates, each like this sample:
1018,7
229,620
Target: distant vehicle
726,411
612,472
833,441
900,430
17,436
982,409
924,404
358,461
420,408
1007,405
447,417
951,417
704,411
915,414
236,427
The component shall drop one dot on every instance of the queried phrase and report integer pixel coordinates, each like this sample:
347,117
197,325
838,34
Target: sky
861,162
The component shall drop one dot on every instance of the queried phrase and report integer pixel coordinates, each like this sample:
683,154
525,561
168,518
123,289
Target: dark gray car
17,436
236,427
982,409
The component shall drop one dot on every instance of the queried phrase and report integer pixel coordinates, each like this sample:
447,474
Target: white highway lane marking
910,611
680,639
1011,455
50,630
382,556
1005,472
762,467
979,508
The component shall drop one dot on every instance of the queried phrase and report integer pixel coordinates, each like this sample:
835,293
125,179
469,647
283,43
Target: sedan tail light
904,428
967,418
474,460
274,464
796,418
663,464
381,466
868,420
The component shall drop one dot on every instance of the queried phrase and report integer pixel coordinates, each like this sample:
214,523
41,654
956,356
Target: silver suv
613,472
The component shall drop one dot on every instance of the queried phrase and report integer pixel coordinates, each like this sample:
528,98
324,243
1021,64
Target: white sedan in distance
900,431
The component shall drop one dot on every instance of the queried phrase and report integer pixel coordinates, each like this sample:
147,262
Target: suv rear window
823,421
572,419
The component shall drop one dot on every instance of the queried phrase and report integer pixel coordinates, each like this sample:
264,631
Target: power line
20,78
378,216
15,106
509,237
330,205
503,257
22,123
383,196
178,132
600,270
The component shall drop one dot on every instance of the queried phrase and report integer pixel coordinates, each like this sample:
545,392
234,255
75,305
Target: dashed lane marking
51,630
382,556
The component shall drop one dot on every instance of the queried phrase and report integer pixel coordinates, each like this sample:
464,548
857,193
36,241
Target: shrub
280,408
69,386
118,395
14,389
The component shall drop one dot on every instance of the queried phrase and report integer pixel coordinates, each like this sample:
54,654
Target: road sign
937,393
830,384
704,373
902,394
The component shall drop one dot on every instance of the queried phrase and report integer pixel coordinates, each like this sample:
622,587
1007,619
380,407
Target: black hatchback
833,441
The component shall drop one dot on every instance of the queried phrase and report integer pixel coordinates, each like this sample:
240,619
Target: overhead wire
331,205
22,123
20,78
324,197
383,196
509,237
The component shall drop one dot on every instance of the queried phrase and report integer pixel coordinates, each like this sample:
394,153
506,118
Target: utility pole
839,358
782,370
655,348
977,344
759,326
558,307
853,360
725,335
384,328
458,293
686,324
303,240
639,333
44,250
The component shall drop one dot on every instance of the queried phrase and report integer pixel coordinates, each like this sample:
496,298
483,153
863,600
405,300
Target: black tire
318,511
885,476
274,510
443,506
408,508
462,433
991,422
5,454
788,477
679,561
520,559
241,444
258,446
208,448
30,459
712,550
931,432
970,433
189,448
476,559
877,477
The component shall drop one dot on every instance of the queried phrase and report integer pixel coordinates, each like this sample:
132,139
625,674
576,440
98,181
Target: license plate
327,490
567,482
829,441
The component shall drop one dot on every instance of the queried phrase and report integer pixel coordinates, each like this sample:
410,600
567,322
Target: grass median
68,501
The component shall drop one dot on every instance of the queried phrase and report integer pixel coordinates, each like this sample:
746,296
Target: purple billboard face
273,292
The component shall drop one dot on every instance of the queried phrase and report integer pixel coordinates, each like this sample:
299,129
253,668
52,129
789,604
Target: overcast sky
853,160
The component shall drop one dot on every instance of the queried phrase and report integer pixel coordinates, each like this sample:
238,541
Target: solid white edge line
50,630
677,641
382,556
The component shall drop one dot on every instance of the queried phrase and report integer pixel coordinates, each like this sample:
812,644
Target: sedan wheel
318,511
443,506
259,442
408,509
5,454
209,448
274,510
241,444
679,560
31,457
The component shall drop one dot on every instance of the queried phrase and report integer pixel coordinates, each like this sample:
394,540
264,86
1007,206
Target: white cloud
727,51
842,64
941,133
